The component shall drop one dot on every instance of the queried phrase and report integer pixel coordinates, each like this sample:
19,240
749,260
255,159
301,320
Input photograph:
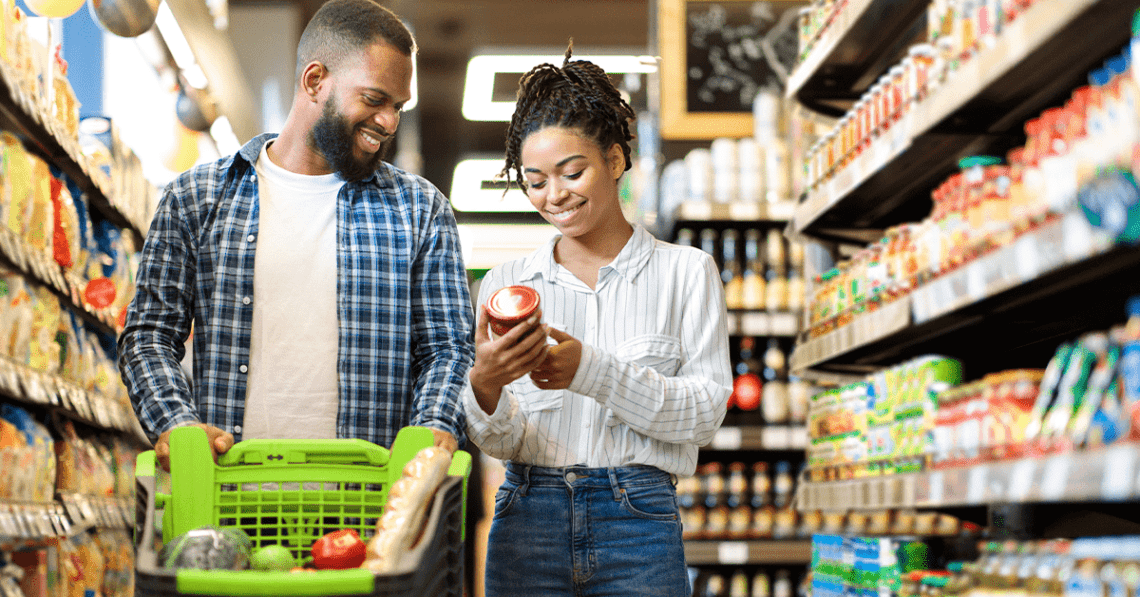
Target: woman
596,427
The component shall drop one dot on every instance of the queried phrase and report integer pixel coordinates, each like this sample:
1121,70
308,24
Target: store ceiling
449,31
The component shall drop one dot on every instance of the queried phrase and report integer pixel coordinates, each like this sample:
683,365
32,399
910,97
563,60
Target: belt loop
526,480
614,484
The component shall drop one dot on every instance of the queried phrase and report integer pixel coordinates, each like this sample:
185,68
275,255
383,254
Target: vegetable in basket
208,547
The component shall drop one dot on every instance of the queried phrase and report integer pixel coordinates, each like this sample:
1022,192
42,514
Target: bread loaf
409,498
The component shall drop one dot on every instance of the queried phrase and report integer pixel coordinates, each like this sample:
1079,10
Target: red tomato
339,550
747,388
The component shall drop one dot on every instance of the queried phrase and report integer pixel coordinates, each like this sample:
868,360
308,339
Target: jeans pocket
657,501
505,498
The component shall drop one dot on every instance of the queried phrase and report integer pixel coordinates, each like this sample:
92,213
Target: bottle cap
978,160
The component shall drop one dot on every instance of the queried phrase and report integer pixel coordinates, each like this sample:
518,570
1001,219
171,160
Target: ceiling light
475,187
478,101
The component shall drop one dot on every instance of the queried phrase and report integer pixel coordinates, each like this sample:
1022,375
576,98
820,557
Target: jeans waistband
616,477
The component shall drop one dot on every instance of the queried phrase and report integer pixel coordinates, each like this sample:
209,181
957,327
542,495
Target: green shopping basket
290,493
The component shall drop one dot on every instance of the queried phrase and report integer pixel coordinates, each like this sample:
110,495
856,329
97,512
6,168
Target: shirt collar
252,149
629,262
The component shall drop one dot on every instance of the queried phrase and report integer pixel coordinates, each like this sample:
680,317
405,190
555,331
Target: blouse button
243,368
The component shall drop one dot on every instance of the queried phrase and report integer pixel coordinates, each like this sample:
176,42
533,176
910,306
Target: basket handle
310,451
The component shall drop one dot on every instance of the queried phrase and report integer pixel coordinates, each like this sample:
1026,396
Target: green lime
272,557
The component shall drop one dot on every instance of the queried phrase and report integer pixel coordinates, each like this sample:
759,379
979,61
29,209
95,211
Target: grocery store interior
925,214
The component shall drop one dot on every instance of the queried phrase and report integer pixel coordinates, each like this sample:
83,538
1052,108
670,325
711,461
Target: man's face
362,110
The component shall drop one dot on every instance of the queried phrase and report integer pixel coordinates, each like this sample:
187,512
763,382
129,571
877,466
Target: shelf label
1119,473
935,482
727,438
755,324
732,552
739,211
976,486
1021,480
698,210
775,438
1054,478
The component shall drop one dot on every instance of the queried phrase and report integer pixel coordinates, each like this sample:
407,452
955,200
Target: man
325,288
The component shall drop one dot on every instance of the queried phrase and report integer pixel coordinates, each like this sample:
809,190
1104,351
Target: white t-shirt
292,389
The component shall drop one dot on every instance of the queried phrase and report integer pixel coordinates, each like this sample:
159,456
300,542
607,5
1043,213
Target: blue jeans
586,532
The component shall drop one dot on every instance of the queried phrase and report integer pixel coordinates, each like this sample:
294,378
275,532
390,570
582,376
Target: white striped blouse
654,379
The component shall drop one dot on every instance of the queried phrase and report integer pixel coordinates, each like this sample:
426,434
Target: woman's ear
615,159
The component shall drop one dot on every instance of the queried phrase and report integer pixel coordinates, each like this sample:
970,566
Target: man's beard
335,139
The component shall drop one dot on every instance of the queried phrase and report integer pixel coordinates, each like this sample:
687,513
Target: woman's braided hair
579,95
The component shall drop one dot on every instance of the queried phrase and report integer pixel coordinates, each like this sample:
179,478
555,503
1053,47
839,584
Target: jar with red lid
510,306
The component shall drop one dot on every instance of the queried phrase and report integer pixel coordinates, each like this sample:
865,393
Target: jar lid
512,303
978,160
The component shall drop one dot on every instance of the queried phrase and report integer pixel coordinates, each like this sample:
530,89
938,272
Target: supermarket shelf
981,107
763,323
25,524
711,553
23,384
1104,474
20,115
861,43
739,211
760,437
1050,285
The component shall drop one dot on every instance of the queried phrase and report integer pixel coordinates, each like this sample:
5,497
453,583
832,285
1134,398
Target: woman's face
570,181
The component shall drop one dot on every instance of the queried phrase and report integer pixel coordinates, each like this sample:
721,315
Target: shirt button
245,300
243,368
249,238
571,477
237,428
252,177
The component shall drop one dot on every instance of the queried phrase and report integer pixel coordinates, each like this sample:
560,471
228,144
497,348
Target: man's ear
312,78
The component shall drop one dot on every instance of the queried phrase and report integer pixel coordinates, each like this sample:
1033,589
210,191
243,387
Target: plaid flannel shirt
403,306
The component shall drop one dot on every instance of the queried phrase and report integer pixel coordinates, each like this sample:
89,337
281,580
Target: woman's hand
499,362
557,371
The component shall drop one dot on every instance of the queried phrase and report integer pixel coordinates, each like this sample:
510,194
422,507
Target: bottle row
762,272
96,563
957,30
761,386
745,583
921,415
1081,156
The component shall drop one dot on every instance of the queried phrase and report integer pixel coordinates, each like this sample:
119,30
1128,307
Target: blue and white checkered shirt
403,306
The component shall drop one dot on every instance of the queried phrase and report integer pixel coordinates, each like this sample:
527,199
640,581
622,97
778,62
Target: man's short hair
343,27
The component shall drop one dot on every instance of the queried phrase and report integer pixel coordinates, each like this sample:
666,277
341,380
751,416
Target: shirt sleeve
442,324
685,408
152,344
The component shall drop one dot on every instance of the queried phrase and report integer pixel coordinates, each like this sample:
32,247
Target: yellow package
41,220
17,171
43,351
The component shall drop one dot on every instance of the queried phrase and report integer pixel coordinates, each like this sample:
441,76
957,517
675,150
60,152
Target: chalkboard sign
715,56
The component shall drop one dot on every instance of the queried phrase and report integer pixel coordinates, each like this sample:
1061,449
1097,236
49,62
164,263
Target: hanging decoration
125,18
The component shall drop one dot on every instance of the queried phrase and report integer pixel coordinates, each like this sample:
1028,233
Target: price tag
976,485
1054,478
782,324
732,552
1119,473
775,438
697,210
755,324
1021,480
727,438
799,437
781,211
744,212
936,484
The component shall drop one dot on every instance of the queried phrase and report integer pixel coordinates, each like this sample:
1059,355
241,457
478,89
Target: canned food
510,306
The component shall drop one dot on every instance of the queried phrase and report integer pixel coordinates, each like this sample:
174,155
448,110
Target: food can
509,306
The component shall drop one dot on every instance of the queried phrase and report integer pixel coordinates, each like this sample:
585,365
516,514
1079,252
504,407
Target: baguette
409,498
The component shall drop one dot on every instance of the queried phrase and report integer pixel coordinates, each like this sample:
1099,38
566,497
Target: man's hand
445,440
562,360
220,442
